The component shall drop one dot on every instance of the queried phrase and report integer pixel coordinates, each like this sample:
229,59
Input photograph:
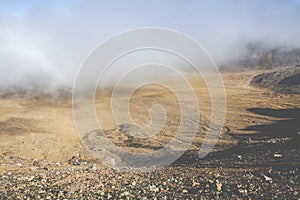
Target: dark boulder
284,80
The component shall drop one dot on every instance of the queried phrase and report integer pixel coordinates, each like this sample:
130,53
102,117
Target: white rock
93,167
277,155
269,179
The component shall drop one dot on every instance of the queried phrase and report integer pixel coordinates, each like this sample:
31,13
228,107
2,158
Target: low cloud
44,43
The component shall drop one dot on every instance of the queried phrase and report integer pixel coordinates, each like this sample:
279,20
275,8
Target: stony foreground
265,169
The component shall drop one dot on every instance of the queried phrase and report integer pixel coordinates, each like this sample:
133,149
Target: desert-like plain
256,156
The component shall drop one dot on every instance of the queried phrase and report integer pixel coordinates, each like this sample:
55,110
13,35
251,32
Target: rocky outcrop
285,80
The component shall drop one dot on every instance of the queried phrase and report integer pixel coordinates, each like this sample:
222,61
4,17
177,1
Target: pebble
229,180
277,155
269,179
93,167
244,192
133,183
219,187
195,184
153,188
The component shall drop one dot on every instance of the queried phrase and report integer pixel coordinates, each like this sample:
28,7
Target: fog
43,44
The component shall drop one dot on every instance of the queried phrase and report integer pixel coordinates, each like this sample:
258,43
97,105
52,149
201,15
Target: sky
44,42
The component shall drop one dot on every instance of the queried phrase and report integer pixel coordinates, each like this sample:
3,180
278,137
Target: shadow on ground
258,149
287,125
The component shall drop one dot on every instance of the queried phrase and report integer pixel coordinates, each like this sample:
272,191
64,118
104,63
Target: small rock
184,191
277,155
244,192
219,186
133,183
269,179
211,181
35,162
195,184
30,178
93,167
153,188
43,176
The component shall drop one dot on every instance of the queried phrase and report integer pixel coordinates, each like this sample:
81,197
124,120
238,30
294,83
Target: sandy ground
256,157
43,128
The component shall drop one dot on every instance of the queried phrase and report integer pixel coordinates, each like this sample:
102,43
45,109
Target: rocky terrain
286,80
255,169
256,157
